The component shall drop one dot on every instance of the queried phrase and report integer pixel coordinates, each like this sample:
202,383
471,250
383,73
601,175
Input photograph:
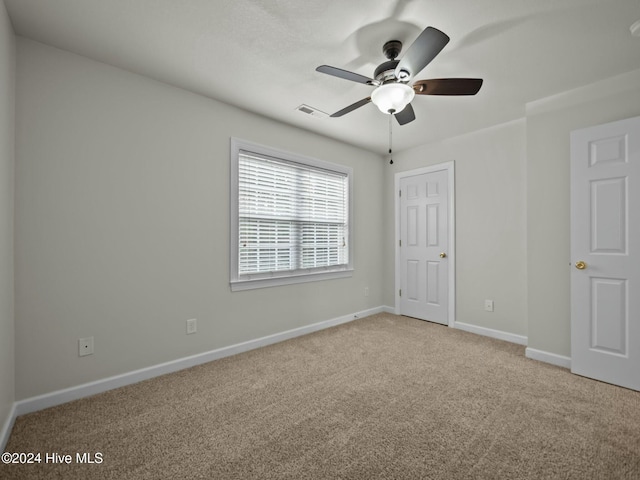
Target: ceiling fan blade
425,48
448,86
407,115
340,73
352,107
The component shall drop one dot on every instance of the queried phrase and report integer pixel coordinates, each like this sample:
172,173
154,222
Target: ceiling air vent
314,112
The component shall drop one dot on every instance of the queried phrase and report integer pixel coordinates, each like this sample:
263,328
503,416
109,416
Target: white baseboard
532,353
59,397
552,358
6,428
490,332
388,309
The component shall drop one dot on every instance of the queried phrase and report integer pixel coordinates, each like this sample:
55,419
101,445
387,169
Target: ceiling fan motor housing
386,71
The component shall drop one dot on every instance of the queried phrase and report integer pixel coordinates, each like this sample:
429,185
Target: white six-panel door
424,246
605,252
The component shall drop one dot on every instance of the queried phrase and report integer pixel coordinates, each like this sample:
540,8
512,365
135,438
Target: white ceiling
261,55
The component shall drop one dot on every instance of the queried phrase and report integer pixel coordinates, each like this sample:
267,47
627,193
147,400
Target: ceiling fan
393,94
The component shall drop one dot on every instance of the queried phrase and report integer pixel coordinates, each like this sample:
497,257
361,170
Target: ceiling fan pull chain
390,140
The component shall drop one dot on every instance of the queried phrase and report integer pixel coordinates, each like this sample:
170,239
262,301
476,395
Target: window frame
288,277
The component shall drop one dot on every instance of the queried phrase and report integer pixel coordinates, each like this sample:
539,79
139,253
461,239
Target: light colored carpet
380,397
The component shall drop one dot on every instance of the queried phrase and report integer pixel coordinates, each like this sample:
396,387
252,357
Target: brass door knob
442,254
580,265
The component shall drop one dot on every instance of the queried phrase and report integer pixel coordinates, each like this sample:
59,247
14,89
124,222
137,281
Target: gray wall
490,222
7,102
122,224
549,123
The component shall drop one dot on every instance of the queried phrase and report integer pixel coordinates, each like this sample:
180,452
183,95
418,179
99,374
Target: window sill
239,285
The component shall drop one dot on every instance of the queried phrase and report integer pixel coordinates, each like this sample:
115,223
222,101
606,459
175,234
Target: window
290,218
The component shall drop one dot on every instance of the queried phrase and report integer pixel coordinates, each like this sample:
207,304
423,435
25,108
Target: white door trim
451,254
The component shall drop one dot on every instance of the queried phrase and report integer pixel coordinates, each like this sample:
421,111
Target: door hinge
400,292
400,242
399,193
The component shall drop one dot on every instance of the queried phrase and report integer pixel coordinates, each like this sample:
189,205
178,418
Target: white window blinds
291,216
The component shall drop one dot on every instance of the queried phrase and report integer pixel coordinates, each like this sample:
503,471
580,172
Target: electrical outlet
366,291
192,326
488,305
85,346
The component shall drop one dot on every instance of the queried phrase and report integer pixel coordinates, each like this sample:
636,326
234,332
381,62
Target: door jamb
451,254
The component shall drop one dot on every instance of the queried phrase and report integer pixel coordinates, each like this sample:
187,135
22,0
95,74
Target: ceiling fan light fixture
392,97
